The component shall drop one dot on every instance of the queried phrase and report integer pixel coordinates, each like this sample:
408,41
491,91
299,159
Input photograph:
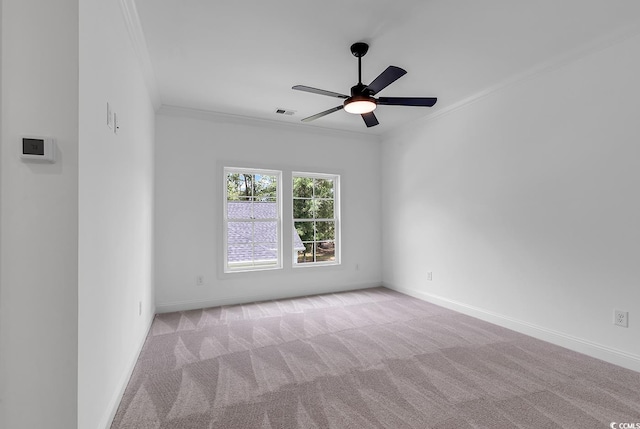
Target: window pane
245,187
233,186
303,209
239,209
239,254
297,241
325,231
306,255
325,251
266,209
265,232
323,188
239,232
265,253
302,187
265,187
305,230
324,209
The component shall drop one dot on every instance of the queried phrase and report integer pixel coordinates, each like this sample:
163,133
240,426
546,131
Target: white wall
115,212
39,217
525,207
190,155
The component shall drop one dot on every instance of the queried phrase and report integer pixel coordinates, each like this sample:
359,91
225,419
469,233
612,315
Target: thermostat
38,149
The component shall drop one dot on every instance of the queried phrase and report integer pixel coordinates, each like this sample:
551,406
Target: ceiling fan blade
319,91
408,101
386,78
370,119
321,114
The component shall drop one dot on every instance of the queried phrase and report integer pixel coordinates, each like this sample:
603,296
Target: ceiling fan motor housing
359,49
361,89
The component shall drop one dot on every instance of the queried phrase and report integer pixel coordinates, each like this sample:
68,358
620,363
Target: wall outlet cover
621,318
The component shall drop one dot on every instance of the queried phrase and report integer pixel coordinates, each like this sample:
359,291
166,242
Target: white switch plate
109,117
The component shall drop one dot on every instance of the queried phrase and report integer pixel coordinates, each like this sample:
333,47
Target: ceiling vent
285,112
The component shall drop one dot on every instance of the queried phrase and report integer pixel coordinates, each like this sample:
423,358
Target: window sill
315,264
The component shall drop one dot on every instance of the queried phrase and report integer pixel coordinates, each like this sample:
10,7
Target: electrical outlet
199,280
621,318
430,275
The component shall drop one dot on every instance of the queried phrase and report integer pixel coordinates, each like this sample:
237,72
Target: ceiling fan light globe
359,107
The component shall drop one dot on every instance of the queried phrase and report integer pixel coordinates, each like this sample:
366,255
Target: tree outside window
315,218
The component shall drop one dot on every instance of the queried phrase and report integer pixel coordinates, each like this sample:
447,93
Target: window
316,219
252,221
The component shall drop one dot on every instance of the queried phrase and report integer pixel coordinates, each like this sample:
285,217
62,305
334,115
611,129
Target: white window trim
336,215
252,266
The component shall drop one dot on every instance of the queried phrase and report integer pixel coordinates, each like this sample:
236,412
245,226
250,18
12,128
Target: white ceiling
243,57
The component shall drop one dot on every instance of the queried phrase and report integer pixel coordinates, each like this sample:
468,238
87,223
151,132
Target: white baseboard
168,307
589,348
112,408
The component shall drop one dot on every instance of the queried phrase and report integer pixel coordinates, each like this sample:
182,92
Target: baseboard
580,345
168,307
112,408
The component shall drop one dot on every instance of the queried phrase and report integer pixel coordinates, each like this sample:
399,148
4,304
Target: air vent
285,112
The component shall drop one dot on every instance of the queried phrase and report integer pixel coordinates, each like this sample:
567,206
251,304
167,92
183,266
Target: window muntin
315,219
252,220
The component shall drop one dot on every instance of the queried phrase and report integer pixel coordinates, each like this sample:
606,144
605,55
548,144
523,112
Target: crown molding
554,63
139,44
208,115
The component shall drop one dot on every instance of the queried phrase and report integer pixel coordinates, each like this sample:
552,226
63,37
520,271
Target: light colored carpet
366,359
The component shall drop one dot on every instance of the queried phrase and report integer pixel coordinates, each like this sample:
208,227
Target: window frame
336,219
252,266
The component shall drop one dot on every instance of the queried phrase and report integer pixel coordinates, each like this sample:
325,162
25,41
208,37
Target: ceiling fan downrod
359,50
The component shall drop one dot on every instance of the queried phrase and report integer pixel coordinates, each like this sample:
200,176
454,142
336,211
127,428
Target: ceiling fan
362,100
